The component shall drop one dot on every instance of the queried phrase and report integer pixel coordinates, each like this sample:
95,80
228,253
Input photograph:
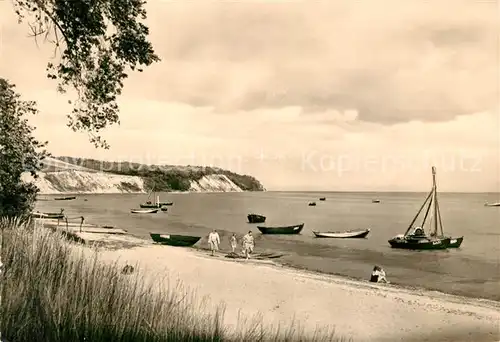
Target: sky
336,95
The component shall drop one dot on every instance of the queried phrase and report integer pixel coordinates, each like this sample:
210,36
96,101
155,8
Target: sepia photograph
251,170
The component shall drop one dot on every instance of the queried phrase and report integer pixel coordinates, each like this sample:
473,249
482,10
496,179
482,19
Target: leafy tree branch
99,42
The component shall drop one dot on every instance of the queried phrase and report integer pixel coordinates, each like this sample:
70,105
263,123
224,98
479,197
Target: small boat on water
156,204
143,211
255,218
375,201
68,198
322,198
295,229
417,238
492,204
56,216
164,209
166,203
343,235
175,240
312,204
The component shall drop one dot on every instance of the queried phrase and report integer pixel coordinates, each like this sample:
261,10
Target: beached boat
143,211
175,240
343,235
56,216
492,204
68,198
295,229
312,204
254,218
322,199
417,237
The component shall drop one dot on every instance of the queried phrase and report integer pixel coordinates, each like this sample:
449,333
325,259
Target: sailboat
417,237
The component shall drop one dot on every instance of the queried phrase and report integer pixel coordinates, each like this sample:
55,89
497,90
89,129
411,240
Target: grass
53,291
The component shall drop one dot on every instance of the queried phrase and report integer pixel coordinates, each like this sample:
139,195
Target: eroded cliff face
85,182
75,181
214,183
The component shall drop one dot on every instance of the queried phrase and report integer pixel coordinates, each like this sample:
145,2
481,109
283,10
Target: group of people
248,243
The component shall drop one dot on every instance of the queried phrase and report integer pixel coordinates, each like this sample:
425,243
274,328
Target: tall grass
52,291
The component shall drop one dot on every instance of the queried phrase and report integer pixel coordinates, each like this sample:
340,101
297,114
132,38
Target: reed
54,290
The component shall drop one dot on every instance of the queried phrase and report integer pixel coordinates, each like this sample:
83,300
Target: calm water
473,270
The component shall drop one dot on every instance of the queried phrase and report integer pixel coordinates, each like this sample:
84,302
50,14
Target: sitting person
378,275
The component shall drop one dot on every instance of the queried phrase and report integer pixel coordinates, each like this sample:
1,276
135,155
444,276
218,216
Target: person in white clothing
248,244
233,242
378,275
214,241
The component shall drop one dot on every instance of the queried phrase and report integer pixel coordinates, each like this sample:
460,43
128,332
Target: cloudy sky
304,95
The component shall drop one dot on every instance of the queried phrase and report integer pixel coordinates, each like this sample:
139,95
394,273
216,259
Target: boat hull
69,198
56,216
144,211
492,205
420,244
295,229
175,240
254,218
149,206
166,203
343,235
456,242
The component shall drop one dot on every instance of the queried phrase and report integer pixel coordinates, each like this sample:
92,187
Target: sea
472,270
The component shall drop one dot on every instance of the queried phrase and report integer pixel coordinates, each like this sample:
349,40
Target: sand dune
361,310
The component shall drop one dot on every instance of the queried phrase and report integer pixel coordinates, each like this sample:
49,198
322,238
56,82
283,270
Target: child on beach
378,275
248,244
214,241
233,242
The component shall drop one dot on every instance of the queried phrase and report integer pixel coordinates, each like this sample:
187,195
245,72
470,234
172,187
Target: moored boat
164,209
322,198
166,203
376,201
343,235
143,211
295,229
312,204
255,218
492,204
175,240
434,238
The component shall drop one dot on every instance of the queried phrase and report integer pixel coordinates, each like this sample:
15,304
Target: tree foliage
19,152
98,42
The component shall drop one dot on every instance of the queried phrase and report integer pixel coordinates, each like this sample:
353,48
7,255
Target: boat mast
436,208
418,213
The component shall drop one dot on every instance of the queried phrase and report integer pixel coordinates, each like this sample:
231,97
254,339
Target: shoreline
203,252
280,295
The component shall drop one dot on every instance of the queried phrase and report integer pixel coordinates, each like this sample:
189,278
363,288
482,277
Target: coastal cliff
76,175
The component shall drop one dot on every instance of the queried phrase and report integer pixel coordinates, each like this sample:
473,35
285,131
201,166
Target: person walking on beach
233,242
214,241
248,244
378,275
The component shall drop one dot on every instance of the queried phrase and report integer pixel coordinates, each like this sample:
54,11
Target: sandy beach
358,310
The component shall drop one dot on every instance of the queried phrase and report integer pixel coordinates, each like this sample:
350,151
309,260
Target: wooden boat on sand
255,218
175,240
295,229
143,211
416,237
56,216
492,204
343,235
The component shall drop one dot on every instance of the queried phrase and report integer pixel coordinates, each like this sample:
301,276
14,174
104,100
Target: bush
53,292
